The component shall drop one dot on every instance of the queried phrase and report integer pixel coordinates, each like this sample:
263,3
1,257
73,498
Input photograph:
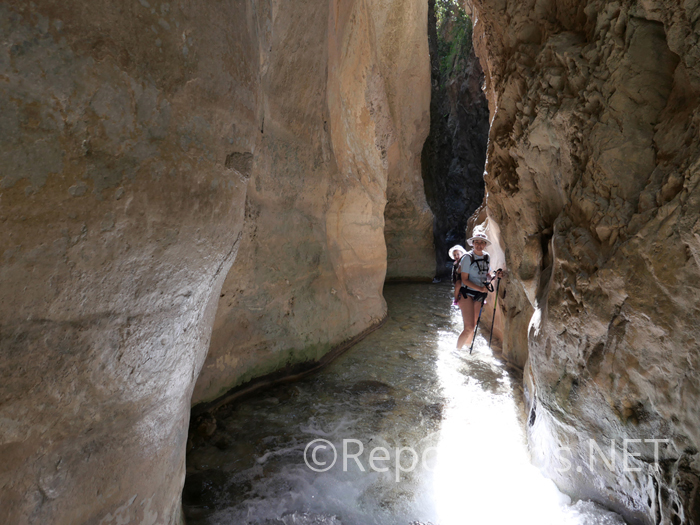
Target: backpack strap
471,260
486,258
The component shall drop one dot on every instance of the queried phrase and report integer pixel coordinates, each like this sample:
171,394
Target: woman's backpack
455,274
483,265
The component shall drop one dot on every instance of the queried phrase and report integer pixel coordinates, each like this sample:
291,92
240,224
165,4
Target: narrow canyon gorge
198,198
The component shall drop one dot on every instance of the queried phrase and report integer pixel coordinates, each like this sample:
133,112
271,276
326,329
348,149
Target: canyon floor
403,387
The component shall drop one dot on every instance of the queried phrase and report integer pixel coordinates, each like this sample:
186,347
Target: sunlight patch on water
482,455
403,386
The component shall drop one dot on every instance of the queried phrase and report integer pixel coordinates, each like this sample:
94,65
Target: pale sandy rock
593,171
142,147
401,29
346,114
120,218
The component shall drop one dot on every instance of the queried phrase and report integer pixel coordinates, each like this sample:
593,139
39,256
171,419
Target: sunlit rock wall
404,65
345,104
593,172
120,218
143,145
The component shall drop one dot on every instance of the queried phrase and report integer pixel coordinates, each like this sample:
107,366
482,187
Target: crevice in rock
454,154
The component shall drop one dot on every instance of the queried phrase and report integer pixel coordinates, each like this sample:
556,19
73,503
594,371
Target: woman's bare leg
477,310
467,306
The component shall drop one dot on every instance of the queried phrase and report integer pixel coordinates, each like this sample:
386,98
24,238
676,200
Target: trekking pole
476,327
490,288
498,284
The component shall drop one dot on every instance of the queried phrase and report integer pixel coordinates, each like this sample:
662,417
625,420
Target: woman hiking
474,276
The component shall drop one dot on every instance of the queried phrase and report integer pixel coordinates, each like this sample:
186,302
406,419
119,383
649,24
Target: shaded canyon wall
454,153
593,176
145,147
337,167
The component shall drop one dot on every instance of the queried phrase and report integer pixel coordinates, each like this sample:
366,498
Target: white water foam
462,405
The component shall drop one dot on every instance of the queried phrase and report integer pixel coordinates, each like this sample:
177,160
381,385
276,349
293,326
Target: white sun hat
478,237
452,250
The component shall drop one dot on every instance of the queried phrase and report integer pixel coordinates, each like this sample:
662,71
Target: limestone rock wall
593,176
120,218
404,64
345,106
143,145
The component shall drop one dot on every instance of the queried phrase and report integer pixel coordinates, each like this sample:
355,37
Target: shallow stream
454,420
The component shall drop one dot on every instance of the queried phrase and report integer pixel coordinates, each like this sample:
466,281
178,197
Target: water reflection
402,391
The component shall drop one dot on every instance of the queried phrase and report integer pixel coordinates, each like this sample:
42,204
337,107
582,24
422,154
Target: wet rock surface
593,172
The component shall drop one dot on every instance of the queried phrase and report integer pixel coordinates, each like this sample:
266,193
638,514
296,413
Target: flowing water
420,433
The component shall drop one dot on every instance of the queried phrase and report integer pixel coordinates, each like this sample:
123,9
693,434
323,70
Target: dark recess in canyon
454,153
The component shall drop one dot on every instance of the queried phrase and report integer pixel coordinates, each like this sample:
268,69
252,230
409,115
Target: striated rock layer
346,115
144,145
593,176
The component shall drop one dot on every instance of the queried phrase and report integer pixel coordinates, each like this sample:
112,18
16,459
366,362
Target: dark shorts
473,294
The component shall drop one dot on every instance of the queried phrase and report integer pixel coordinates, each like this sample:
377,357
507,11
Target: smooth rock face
404,64
346,105
144,146
593,176
120,218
